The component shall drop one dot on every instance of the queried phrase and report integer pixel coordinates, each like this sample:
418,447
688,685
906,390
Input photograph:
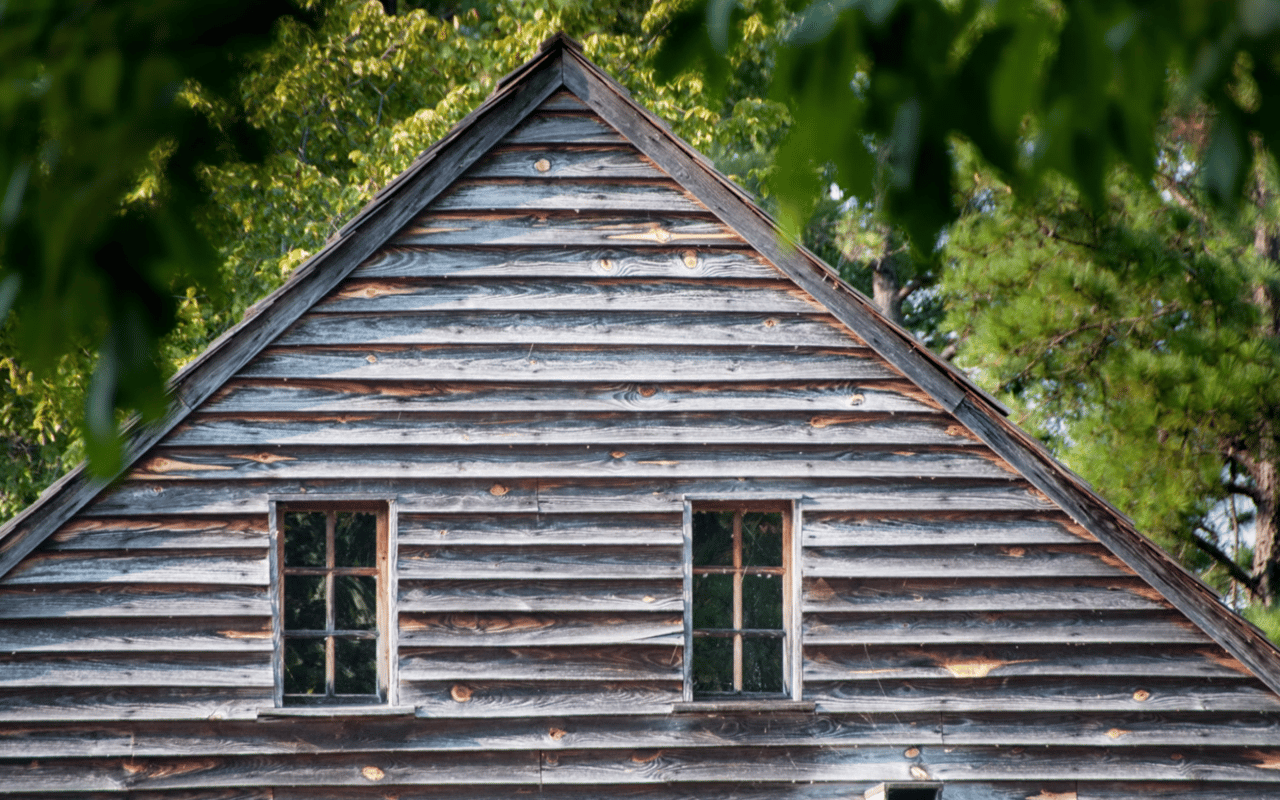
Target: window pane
712,601
356,662
304,539
761,601
355,602
304,603
713,539
355,539
303,666
761,665
712,664
762,539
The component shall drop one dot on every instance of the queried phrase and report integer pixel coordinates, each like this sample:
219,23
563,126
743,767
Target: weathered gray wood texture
540,366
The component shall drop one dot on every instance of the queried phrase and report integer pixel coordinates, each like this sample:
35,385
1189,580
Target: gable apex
561,66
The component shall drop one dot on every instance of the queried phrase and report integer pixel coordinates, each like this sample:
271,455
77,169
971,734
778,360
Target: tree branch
1250,492
1238,574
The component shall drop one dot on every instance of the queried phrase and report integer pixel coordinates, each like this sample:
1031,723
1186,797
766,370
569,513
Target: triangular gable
394,215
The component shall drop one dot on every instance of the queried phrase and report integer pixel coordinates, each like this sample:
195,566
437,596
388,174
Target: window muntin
740,593
333,600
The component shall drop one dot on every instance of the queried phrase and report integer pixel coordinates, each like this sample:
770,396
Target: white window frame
793,645
387,611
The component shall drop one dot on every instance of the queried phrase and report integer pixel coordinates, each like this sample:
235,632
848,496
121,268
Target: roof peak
560,40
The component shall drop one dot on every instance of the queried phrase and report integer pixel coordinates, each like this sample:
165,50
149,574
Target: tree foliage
91,254
1100,173
340,102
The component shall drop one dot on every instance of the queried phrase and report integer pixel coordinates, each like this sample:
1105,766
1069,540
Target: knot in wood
461,693
1141,695
373,773
911,752
690,259
498,490
542,165
557,733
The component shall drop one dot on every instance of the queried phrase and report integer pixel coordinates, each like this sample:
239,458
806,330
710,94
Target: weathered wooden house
556,475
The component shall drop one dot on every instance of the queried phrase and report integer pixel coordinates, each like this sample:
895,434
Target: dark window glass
356,667
304,666
738,583
712,665
305,538
761,665
330,596
356,603
713,539
356,540
304,603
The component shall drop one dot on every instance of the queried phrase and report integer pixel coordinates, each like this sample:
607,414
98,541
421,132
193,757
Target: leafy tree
341,104
89,258
1112,267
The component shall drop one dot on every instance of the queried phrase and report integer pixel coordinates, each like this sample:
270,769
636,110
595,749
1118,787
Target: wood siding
540,368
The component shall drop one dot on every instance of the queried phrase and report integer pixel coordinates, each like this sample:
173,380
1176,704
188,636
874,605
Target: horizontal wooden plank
517,194
332,769
310,396
541,595
1043,695
147,566
568,128
563,462
630,529
620,295
176,532
708,265
543,562
609,663
963,661
687,262
892,763
609,328
197,497
564,229
1115,730
942,592
150,701
563,100
541,630
614,430
1137,627
963,561
712,791
1193,790
837,530
217,635
284,736
107,601
477,699
139,498
564,162
558,363
213,669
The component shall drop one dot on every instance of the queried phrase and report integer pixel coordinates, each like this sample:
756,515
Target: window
904,791
740,632
332,593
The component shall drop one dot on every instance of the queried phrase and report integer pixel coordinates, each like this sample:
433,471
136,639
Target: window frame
792,638
385,566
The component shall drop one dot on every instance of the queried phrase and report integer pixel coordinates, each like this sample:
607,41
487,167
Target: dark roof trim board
560,63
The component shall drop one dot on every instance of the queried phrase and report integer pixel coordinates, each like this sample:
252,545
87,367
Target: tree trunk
886,288
1261,464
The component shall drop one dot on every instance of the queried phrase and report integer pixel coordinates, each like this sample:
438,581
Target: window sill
743,706
337,712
